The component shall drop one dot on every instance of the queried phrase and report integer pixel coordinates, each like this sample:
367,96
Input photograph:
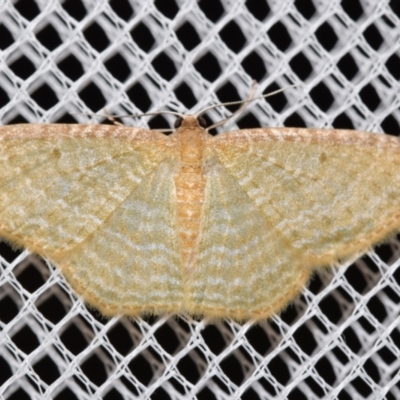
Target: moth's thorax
189,184
191,138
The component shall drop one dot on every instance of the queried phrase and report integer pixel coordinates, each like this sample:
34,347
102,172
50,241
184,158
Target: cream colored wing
98,202
329,193
131,264
245,268
280,202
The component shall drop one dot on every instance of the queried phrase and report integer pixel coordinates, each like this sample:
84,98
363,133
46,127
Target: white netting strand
341,337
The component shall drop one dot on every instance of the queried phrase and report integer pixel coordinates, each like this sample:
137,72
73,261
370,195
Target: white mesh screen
341,337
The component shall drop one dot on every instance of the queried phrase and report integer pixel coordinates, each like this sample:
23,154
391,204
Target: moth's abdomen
189,185
190,199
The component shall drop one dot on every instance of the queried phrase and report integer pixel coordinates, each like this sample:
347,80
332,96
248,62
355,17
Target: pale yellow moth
226,226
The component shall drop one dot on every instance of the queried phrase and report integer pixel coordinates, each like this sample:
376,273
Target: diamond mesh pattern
341,337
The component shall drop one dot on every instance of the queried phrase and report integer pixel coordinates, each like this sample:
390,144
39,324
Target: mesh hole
141,369
122,8
189,368
306,8
373,37
120,338
19,394
279,370
138,95
118,67
391,126
213,9
27,8
278,101
233,369
94,368
233,37
164,66
47,370
96,37
45,97
301,66
73,337
259,8
167,7
6,38
348,66
143,37
188,36
280,36
26,340
49,37
326,36
208,66
322,97
71,67
93,97
325,371
185,95
352,8
51,307
22,67
75,8
254,65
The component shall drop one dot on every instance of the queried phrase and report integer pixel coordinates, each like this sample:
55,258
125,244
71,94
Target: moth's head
190,122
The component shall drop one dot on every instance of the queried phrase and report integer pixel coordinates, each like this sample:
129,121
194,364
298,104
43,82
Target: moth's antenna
243,102
243,105
113,117
153,113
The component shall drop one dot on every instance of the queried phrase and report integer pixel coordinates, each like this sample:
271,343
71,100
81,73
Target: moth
228,226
